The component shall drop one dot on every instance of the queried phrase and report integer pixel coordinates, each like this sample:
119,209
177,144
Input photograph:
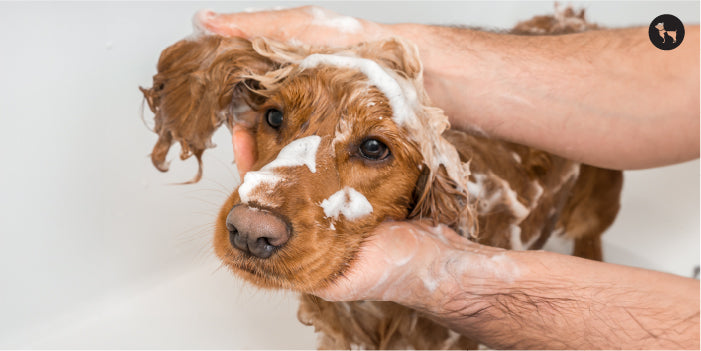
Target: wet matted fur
493,192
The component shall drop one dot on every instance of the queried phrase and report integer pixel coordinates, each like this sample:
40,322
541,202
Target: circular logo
666,32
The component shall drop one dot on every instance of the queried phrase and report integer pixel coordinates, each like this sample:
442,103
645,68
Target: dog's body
672,33
346,139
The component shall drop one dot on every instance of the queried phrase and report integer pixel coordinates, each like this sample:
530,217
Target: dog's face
344,142
332,164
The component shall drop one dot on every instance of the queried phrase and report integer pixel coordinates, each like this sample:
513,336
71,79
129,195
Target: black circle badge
666,32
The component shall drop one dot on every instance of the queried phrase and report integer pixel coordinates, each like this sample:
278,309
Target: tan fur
522,195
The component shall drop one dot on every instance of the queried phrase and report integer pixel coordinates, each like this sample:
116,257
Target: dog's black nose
258,232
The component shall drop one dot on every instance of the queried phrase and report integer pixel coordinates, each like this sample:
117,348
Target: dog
348,138
672,33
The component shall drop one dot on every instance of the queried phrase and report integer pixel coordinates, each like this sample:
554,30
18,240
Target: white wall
98,250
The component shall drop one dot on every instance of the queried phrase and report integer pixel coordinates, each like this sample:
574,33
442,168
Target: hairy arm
607,98
523,299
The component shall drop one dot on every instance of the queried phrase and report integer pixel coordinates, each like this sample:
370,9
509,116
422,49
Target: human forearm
607,98
509,299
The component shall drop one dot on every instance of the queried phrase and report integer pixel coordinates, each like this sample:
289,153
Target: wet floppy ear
397,54
438,197
199,84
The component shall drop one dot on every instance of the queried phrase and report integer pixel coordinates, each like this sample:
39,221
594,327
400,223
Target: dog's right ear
440,199
201,83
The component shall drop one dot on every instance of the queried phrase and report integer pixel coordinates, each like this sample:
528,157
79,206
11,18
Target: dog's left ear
201,84
439,198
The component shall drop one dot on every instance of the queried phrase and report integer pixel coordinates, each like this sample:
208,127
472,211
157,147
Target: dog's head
346,139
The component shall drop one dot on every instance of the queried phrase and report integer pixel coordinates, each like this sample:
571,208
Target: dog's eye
274,118
374,149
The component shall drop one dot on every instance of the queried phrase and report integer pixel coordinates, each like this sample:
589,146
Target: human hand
310,25
406,262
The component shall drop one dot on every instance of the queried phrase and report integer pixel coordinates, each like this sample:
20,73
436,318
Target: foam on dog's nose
347,202
300,152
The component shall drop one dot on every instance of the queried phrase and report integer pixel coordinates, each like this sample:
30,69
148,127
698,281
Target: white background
98,250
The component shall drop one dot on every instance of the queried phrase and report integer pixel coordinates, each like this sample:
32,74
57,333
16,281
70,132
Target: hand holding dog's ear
310,25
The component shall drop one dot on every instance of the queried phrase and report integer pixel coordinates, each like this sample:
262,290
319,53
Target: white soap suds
347,202
516,157
516,242
295,42
198,20
571,173
254,179
485,201
528,244
517,208
559,242
297,153
432,279
504,268
452,338
401,103
344,24
538,193
438,232
498,266
300,152
477,187
515,232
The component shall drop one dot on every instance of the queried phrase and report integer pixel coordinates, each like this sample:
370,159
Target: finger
210,22
244,149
